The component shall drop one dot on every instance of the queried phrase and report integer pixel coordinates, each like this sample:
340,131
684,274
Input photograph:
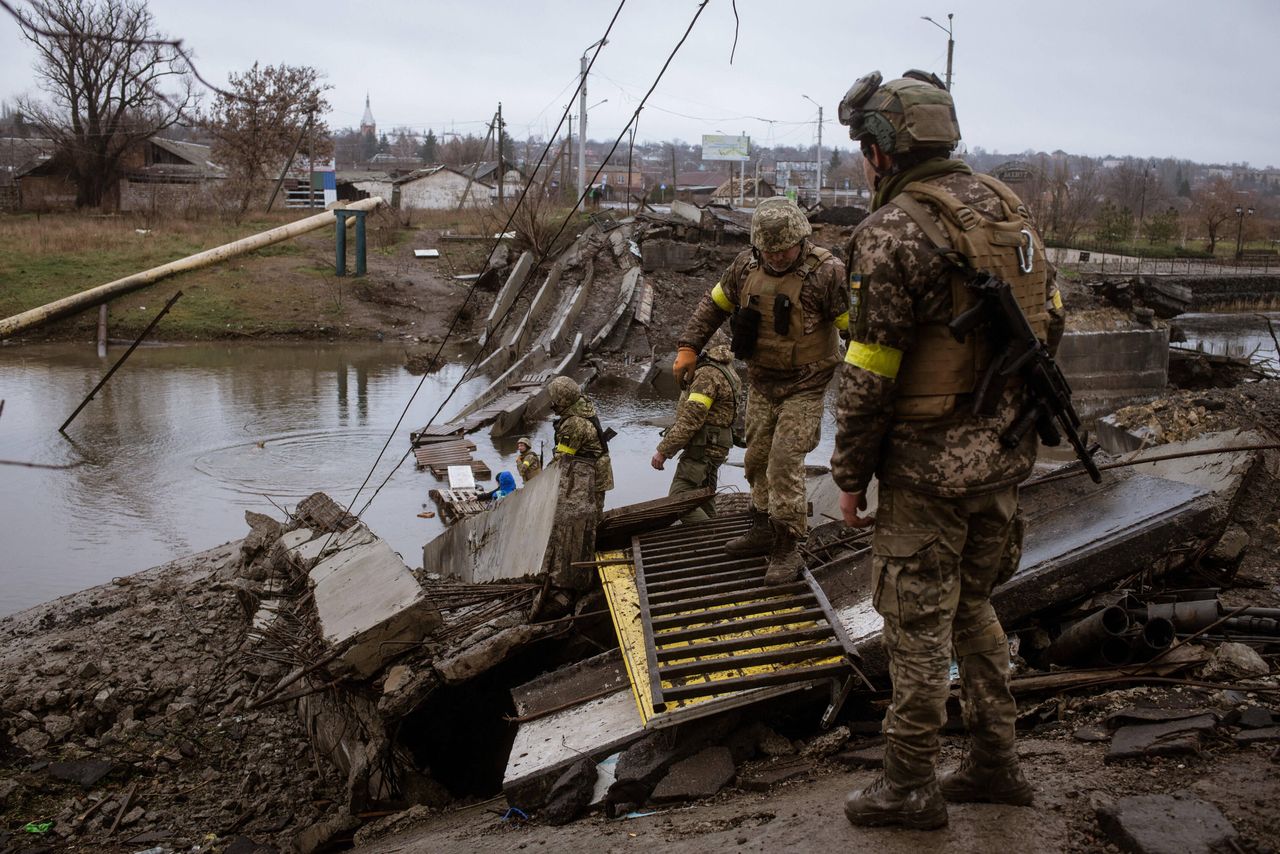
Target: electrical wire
466,300
552,242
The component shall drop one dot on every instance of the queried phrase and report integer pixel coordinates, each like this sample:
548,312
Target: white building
441,188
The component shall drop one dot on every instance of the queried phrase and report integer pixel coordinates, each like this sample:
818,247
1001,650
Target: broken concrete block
1165,824
396,678
263,530
773,744
1235,661
670,255
779,771
1160,739
641,766
700,776
570,794
476,659
365,596
862,757
7,788
1258,736
1255,717
321,513
1226,553
319,834
85,772
58,726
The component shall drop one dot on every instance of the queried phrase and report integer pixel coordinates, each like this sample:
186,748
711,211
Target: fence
1105,262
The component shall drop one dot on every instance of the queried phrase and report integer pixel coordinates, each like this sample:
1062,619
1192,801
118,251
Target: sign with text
722,147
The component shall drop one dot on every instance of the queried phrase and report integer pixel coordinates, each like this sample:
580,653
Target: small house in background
356,184
155,174
18,156
752,189
487,172
440,188
172,174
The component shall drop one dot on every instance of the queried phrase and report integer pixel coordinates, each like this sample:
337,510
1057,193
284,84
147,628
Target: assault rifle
1020,353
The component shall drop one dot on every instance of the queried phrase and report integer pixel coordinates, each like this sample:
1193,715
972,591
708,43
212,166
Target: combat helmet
778,224
564,393
914,111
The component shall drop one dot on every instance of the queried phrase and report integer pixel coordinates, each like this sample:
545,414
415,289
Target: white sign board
722,147
461,477
426,253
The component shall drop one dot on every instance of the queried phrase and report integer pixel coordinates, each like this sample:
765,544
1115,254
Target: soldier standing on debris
527,462
578,433
703,429
947,530
786,298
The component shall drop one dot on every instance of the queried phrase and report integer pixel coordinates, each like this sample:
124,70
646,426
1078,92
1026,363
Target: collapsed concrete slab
368,600
1080,538
1089,360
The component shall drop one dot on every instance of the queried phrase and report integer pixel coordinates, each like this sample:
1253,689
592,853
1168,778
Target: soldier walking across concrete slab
785,299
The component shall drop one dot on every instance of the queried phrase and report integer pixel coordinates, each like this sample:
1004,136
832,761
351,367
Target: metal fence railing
1110,261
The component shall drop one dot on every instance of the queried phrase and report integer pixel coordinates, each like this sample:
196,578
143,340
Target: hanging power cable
563,225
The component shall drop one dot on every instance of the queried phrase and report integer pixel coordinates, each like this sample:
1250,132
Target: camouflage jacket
823,299
712,400
528,464
904,283
576,436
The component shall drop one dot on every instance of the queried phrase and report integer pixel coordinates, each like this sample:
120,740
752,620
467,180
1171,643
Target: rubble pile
126,720
1184,415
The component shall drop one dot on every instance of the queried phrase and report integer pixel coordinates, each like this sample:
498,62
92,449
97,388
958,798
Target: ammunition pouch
781,314
745,328
710,441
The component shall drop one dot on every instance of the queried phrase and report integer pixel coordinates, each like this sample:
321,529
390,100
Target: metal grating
712,627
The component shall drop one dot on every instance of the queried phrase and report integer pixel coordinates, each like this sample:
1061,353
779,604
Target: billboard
723,147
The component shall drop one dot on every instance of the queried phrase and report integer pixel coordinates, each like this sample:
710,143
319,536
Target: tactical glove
686,363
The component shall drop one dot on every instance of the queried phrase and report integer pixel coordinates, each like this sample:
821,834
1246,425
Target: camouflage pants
935,562
692,474
778,437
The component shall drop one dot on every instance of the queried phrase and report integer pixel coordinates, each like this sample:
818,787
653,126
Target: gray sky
1137,77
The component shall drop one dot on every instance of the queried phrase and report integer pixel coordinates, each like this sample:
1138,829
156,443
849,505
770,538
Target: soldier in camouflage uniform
578,433
947,529
787,298
527,462
703,430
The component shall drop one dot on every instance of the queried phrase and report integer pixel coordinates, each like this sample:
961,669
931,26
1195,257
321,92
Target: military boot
882,803
784,558
987,783
756,541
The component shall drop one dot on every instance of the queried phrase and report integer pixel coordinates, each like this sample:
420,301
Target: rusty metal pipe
1083,640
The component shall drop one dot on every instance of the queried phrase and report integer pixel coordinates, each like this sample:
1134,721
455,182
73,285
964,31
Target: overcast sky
1123,77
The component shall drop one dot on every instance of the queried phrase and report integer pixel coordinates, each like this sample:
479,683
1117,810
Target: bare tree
269,112
1074,199
1212,204
102,64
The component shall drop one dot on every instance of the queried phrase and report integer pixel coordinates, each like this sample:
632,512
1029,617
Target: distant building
752,189
155,174
440,188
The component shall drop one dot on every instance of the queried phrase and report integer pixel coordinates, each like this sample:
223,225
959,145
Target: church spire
367,124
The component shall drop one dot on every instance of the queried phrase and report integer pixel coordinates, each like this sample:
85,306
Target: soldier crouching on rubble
578,433
703,431
947,530
527,462
786,298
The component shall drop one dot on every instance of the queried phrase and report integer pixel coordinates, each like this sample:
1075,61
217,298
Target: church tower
368,127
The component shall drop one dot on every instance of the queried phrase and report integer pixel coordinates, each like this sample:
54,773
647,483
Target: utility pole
582,119
951,42
819,159
501,131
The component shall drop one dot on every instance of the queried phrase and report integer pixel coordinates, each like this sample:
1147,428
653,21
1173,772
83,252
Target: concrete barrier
1113,367
507,295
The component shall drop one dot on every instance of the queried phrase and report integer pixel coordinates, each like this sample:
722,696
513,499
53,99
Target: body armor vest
939,368
768,294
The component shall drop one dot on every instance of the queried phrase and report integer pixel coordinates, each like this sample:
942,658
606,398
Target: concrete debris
862,757
1255,717
827,743
1229,549
83,772
764,777
474,659
1235,661
1166,824
700,776
1257,736
1160,739
570,794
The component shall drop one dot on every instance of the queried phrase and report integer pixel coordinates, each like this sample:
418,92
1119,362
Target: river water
1240,335
185,438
